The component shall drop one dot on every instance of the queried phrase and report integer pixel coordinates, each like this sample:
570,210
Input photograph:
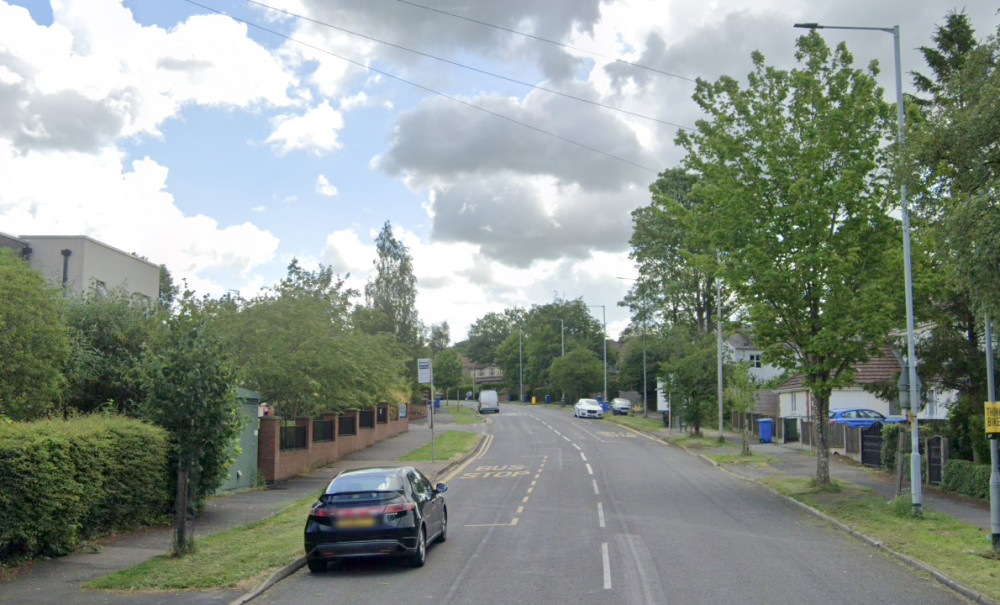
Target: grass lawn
238,558
738,458
465,415
953,547
449,446
639,423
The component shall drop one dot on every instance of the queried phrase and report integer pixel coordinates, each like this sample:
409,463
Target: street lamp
604,337
520,366
562,335
645,310
915,476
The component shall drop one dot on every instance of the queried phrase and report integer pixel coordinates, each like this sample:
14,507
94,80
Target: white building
80,263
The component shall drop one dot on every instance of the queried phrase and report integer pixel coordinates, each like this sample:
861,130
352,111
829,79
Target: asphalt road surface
565,510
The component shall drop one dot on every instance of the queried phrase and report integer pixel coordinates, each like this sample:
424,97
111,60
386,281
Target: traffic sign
993,419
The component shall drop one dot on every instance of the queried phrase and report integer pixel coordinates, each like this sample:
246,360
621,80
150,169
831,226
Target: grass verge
738,458
238,558
465,415
639,423
449,446
955,548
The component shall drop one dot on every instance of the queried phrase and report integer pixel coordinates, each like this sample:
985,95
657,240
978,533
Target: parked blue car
860,417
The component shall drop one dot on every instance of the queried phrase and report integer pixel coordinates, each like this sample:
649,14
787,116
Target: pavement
60,580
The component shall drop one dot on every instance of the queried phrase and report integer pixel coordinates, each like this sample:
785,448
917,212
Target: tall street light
915,476
520,366
645,310
604,337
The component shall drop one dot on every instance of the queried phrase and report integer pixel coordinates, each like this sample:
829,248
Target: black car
373,512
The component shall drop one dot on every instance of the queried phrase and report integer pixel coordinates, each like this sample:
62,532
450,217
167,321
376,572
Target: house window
755,360
793,402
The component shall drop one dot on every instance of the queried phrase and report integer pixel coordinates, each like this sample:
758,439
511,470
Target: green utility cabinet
243,472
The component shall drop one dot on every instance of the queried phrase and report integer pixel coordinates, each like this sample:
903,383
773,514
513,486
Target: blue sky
223,150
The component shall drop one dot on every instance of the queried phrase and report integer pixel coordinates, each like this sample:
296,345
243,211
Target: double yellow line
484,447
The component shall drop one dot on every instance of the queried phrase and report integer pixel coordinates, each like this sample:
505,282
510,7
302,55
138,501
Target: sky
506,143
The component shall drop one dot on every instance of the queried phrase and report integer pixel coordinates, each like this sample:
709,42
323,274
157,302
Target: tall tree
953,143
579,374
393,290
109,333
440,337
793,193
33,341
168,289
489,331
447,370
189,381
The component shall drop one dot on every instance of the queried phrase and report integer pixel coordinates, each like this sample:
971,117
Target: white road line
600,514
582,456
567,438
525,499
596,492
520,509
590,471
577,446
607,566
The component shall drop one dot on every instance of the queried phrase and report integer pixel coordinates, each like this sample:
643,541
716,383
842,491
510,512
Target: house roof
884,368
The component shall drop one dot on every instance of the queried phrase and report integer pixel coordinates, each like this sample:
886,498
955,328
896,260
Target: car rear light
399,508
390,510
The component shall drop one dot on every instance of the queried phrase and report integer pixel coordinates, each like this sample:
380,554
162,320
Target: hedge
967,478
67,481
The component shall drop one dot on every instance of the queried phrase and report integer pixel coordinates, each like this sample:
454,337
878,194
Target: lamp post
562,337
645,310
604,338
520,366
718,343
916,487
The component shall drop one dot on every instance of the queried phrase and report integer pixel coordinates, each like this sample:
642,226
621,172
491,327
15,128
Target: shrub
967,478
66,481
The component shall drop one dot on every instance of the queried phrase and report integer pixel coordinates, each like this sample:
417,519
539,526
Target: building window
793,402
755,360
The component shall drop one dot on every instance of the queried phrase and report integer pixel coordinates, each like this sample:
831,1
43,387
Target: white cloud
128,208
316,130
323,186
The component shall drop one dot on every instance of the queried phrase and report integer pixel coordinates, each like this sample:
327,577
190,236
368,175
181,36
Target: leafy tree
440,337
393,290
793,189
486,334
670,253
33,340
189,380
690,368
953,146
739,394
447,370
109,332
578,374
168,289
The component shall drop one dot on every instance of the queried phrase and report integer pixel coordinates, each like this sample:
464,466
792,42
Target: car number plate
350,522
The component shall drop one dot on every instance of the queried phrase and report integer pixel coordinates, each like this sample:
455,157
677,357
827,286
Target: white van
488,402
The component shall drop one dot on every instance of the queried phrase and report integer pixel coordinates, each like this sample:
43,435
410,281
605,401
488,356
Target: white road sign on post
425,372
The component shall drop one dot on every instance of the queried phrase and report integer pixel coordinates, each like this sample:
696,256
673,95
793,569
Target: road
564,510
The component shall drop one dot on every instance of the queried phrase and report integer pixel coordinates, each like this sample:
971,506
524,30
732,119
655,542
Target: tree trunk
822,442
182,541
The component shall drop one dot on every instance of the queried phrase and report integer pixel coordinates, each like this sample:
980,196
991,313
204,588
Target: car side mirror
441,488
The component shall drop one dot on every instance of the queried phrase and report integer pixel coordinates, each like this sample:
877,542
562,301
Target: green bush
67,481
890,437
967,478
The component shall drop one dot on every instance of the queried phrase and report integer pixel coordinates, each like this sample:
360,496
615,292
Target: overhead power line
547,41
422,87
468,67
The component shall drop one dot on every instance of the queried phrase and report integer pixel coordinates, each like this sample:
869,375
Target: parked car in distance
620,405
588,408
860,417
488,402
376,512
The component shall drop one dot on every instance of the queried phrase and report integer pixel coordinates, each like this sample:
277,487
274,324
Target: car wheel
418,558
316,565
443,536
